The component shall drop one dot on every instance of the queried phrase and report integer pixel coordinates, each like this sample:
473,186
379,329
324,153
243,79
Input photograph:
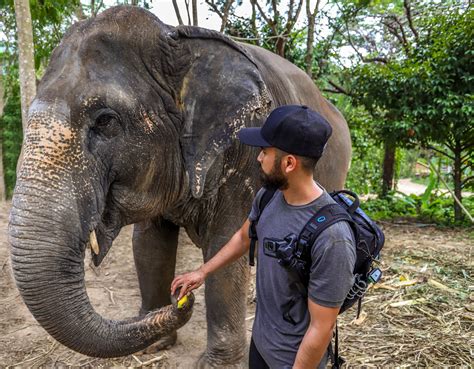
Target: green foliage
428,95
365,171
423,93
429,209
11,135
407,159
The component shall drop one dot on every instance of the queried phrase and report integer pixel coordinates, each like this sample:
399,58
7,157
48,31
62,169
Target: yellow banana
183,301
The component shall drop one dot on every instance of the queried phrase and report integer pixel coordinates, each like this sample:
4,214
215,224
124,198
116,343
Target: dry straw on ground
423,311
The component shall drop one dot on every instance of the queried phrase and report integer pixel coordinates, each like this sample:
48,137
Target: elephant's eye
107,124
104,120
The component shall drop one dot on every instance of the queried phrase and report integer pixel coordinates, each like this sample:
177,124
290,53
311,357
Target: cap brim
252,137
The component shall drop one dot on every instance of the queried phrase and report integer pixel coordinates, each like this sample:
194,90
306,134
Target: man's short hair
308,164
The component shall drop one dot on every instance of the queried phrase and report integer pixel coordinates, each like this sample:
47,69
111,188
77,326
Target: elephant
135,122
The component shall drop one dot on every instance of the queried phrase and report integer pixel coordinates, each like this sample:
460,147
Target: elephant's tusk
93,242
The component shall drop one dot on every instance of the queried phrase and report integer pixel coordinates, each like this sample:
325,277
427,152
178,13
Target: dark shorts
255,359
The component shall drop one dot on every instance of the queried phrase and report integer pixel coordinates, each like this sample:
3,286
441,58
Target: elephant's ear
222,92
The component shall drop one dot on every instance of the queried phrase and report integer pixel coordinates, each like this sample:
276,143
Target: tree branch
465,180
450,142
406,4
97,9
292,18
332,91
315,11
464,157
440,152
225,12
310,37
393,30
80,12
276,14
214,8
178,15
256,38
186,2
364,59
264,16
464,167
253,21
338,88
402,30
349,39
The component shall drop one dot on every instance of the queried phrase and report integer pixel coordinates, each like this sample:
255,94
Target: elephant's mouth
105,227
100,242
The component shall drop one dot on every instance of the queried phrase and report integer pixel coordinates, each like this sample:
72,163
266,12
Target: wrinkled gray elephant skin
135,122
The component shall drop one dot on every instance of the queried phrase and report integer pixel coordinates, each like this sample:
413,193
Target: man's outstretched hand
187,282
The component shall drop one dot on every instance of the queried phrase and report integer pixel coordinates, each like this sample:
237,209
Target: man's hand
237,246
188,282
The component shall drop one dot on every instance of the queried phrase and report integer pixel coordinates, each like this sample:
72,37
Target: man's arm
317,337
237,246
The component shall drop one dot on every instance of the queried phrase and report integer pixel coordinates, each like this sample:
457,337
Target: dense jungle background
400,71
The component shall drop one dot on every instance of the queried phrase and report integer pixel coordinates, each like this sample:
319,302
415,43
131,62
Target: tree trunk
225,14
2,173
280,46
457,173
310,39
195,13
309,49
26,61
388,167
253,22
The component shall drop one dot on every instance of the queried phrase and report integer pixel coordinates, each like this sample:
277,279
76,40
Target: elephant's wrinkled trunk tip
172,316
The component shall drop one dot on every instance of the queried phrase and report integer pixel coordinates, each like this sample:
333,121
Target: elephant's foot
162,344
208,361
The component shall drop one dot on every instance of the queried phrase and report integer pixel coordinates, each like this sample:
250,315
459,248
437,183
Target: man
293,323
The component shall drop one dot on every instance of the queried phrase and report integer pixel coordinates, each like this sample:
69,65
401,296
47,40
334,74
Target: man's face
271,174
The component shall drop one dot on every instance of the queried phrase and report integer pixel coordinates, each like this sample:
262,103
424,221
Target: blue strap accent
324,218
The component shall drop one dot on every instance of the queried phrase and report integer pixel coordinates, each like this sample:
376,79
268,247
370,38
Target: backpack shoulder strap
322,219
264,200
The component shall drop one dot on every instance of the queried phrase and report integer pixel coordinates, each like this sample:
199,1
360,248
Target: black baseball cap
295,129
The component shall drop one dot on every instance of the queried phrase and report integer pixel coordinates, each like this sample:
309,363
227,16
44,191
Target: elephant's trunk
48,236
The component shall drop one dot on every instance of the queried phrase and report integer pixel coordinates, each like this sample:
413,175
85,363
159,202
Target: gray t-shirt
331,276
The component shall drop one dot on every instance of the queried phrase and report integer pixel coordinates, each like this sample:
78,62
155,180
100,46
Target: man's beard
275,179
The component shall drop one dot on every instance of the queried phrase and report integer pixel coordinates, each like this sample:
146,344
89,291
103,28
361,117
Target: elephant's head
132,119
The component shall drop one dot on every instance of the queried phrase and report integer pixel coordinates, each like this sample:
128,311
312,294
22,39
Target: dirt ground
420,315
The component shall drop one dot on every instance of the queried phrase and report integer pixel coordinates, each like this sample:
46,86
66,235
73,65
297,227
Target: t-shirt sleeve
254,212
332,266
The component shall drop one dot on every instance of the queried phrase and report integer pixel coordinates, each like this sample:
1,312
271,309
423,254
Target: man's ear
290,163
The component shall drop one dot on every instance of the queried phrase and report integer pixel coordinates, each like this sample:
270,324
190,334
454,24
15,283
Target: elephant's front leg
226,300
154,250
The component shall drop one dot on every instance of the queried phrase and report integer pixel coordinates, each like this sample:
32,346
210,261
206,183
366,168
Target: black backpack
368,236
